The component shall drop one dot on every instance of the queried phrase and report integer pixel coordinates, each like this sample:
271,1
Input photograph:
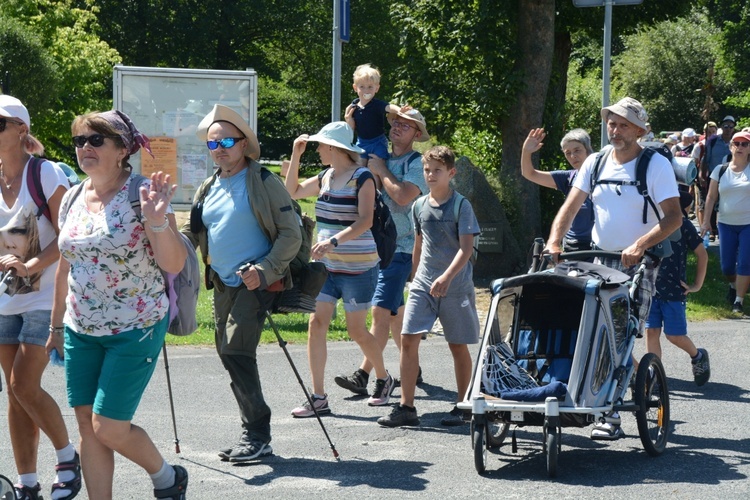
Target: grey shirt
440,243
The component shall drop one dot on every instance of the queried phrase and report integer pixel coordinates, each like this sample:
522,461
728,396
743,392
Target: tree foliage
669,81
81,81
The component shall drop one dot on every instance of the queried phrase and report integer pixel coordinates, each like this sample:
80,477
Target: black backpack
383,228
641,168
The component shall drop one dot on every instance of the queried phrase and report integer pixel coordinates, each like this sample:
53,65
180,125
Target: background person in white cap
30,251
619,225
685,147
246,217
402,182
344,211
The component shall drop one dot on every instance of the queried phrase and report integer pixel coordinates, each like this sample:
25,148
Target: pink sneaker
306,411
383,390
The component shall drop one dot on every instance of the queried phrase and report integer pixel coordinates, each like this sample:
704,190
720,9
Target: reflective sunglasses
226,143
96,140
740,144
727,126
4,123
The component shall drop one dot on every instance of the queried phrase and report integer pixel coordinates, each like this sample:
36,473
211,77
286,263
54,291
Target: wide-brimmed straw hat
337,134
221,113
414,116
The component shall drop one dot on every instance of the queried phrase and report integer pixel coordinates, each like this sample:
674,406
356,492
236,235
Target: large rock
499,253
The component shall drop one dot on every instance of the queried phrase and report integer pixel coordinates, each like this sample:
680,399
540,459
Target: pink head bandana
130,135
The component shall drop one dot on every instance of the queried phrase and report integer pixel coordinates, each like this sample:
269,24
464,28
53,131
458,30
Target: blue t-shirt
716,150
581,228
673,269
234,235
370,120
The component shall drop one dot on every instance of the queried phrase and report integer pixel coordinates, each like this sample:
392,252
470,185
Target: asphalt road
708,455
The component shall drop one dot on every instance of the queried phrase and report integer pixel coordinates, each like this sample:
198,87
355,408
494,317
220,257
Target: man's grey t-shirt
406,168
440,243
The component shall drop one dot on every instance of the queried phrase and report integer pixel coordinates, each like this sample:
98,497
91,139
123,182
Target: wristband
55,329
160,229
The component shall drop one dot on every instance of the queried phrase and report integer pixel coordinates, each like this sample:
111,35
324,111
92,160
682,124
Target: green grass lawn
708,304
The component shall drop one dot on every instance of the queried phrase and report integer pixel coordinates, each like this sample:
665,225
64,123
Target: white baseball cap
10,107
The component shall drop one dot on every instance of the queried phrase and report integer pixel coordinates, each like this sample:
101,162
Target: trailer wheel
479,443
553,447
497,432
652,400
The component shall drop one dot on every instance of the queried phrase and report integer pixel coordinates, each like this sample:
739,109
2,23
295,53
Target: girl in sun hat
731,185
29,250
344,210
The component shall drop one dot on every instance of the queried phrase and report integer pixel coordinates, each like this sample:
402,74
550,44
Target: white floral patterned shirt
114,283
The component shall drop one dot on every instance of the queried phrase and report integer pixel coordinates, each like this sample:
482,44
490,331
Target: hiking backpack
34,184
383,228
181,288
641,168
457,201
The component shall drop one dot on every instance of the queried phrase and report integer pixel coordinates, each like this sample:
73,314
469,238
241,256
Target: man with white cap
619,209
717,149
685,147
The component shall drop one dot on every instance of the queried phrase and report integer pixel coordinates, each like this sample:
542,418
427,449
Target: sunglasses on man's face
727,126
740,144
226,143
95,140
4,123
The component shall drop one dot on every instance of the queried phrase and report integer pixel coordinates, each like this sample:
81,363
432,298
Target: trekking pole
282,344
171,401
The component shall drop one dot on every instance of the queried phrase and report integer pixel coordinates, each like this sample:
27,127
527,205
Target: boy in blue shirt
442,287
668,305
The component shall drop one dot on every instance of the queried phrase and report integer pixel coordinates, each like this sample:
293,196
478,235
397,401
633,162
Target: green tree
668,81
81,82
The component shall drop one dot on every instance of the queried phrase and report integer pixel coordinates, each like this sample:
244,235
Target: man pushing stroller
626,221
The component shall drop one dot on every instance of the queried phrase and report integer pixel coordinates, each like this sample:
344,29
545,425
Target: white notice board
168,104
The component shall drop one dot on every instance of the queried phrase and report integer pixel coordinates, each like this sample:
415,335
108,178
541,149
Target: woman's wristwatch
334,242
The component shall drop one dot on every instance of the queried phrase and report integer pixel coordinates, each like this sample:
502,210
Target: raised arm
531,145
306,188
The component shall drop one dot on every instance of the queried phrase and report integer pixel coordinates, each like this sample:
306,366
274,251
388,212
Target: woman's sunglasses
96,140
4,123
226,143
740,144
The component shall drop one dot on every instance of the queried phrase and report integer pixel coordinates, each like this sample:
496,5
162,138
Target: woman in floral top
110,297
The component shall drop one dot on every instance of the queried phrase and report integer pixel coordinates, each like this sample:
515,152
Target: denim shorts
670,313
389,293
355,290
377,146
31,327
111,373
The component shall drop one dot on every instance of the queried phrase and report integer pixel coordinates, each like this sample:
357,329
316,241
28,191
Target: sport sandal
177,490
72,485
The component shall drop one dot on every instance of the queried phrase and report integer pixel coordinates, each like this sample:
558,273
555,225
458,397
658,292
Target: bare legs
30,408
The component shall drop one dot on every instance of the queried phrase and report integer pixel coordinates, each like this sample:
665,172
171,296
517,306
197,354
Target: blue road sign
344,21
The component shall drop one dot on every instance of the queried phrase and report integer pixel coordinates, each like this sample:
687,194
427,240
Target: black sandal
177,490
74,485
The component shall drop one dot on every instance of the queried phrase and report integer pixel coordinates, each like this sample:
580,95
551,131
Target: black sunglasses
4,123
96,140
226,143
740,144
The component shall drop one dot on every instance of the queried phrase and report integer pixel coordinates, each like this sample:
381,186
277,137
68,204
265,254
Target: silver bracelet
160,229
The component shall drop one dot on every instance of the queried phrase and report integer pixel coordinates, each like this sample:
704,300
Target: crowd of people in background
63,298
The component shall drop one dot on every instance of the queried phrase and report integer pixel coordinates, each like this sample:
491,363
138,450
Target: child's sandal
74,485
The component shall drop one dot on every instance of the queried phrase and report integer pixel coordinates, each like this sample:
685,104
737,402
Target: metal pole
605,68
336,73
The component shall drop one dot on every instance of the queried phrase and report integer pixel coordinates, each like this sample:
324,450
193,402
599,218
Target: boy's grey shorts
457,314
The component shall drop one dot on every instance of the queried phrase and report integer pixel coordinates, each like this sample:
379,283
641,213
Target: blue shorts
111,373
734,249
355,290
389,293
670,313
377,146
30,327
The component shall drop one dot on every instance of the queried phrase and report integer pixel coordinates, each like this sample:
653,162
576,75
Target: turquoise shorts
111,373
